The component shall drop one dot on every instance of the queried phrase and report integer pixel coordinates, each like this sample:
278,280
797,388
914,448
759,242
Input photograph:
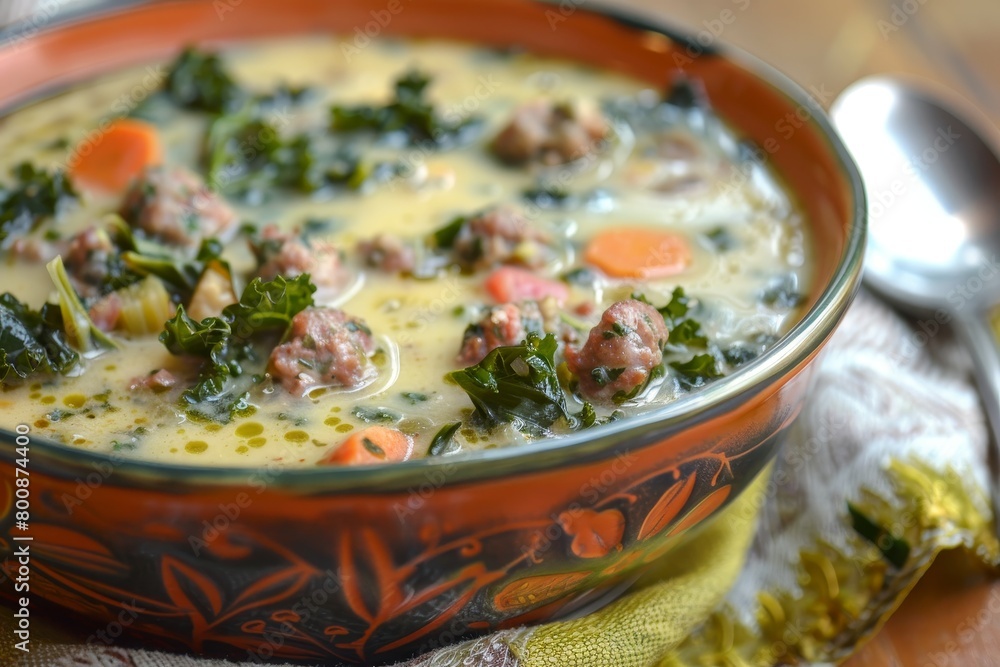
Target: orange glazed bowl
374,564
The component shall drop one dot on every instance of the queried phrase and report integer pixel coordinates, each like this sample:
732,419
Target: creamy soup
292,252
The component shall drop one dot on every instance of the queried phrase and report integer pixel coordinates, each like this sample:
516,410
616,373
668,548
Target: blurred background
827,45
822,45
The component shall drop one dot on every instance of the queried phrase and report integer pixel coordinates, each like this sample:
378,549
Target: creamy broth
748,243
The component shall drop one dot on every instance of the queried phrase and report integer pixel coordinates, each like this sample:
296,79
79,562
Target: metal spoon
933,184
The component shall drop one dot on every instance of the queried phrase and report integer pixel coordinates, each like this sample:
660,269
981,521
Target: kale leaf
677,308
547,198
684,331
587,417
699,371
227,343
444,441
721,239
409,114
783,293
377,415
32,341
138,258
241,152
247,156
444,237
517,384
894,549
35,196
685,335
688,334
198,81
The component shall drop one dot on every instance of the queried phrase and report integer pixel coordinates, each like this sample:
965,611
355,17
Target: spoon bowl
933,186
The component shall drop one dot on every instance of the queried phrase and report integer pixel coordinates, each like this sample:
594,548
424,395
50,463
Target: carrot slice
509,285
637,252
372,445
109,160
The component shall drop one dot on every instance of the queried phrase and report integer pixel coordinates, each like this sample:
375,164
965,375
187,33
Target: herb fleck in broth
432,249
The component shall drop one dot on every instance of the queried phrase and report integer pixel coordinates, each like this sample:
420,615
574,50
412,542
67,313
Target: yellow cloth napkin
885,469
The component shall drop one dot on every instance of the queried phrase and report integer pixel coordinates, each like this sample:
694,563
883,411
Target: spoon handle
977,331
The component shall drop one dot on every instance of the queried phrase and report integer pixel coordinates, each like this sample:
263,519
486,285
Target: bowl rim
796,347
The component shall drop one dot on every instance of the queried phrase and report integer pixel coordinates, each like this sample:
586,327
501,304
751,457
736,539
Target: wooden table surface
952,619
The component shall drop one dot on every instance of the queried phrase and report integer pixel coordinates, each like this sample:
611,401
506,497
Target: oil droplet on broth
249,430
296,436
75,400
196,447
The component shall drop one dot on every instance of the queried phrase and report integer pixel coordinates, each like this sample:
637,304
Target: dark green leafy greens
35,195
415,397
517,384
686,335
282,97
685,332
588,418
698,371
32,342
582,276
547,197
444,440
783,292
377,415
677,308
555,197
227,343
246,153
409,115
445,237
198,81
739,355
137,258
721,239
247,156
894,549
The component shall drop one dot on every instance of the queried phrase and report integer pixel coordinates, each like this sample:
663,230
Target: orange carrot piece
637,252
109,161
510,285
370,446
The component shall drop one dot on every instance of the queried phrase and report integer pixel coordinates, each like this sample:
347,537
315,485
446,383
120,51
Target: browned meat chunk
502,326
501,236
36,250
289,256
621,352
326,348
106,313
157,382
388,253
87,260
176,207
550,133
